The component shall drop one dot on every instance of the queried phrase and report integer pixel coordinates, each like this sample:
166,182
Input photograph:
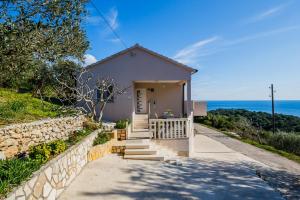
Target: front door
141,100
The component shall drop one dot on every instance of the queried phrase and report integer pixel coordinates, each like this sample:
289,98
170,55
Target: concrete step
144,157
140,151
140,130
137,146
137,141
141,120
140,134
139,116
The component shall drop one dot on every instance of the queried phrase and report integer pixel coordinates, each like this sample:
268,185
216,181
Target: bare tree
89,94
107,89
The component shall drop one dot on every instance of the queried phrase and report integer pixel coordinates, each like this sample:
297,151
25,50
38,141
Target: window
105,95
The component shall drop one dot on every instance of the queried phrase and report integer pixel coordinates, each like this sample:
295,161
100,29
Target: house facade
158,96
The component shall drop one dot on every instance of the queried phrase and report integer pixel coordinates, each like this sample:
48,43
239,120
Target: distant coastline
288,107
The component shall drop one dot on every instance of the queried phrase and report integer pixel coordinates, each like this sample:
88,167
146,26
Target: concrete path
268,158
215,172
279,172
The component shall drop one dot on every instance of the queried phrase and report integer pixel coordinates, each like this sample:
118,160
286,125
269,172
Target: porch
163,108
161,119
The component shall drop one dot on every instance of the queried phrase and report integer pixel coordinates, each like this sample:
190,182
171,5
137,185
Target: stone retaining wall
17,138
49,182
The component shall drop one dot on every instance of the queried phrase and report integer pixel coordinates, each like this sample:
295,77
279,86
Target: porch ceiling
160,81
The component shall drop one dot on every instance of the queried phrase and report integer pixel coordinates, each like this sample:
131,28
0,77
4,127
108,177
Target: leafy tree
34,34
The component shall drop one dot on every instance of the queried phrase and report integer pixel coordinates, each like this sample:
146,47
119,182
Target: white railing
170,128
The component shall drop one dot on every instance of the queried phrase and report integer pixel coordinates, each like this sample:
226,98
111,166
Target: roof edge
192,70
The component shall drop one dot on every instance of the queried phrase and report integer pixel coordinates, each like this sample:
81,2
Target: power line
108,24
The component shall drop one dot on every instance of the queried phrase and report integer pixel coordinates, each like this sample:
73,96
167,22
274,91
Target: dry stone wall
17,138
51,180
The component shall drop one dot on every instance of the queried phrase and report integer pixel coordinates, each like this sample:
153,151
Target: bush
102,138
43,152
57,147
40,152
121,124
14,171
77,136
285,141
91,125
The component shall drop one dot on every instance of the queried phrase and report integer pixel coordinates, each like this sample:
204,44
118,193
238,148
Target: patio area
211,174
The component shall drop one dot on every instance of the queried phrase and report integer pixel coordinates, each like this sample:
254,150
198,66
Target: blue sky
239,47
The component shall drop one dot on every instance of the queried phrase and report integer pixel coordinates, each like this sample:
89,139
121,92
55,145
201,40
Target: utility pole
273,108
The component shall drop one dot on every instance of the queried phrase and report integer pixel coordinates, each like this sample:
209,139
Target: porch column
189,98
190,118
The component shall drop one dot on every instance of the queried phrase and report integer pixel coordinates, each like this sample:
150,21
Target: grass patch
22,107
14,171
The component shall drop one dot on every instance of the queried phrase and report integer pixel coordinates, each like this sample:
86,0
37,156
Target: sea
288,107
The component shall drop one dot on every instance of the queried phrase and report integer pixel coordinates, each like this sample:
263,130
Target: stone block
46,189
48,173
32,182
11,151
52,195
27,190
38,188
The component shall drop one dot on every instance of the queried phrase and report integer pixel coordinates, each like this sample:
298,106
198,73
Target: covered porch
164,108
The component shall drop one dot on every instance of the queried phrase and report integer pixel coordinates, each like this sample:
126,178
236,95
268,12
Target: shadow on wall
195,179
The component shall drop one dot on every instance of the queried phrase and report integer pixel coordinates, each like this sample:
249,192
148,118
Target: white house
158,101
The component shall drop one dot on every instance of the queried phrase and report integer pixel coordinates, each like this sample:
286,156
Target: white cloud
96,20
267,13
93,20
89,59
260,35
192,53
112,18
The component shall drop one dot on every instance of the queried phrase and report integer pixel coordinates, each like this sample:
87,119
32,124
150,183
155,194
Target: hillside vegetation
16,107
261,120
257,126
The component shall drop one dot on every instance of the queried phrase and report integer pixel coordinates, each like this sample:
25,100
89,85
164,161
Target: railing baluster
170,128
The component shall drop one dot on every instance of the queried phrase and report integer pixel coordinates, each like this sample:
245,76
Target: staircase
139,145
145,149
141,122
141,149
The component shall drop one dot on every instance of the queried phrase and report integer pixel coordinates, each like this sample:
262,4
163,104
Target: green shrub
43,152
285,141
121,124
14,171
102,138
57,147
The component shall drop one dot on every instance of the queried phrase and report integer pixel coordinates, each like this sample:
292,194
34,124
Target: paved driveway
216,172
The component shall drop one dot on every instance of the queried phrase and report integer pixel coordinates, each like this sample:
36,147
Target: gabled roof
137,46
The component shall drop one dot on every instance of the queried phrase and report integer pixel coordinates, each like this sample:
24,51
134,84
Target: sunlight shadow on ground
195,179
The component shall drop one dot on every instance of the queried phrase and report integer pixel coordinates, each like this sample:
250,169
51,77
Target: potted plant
121,126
